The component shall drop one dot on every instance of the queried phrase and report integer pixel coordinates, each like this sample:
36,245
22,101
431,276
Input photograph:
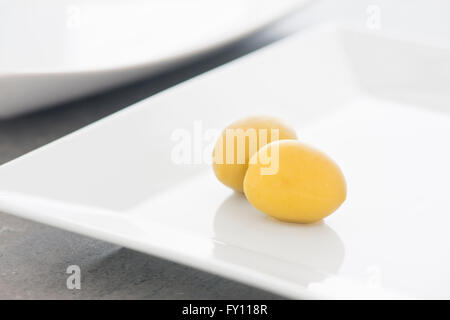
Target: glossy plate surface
376,105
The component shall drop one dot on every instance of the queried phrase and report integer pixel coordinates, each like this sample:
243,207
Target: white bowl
57,50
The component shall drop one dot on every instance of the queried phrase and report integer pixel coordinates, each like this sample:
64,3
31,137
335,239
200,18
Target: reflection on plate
311,247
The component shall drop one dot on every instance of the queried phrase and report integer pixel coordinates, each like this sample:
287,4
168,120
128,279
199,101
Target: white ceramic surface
378,106
57,50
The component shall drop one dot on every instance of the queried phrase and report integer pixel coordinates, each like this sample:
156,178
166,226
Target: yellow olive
304,185
239,141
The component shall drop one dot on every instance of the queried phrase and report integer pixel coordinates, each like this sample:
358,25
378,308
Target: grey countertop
34,257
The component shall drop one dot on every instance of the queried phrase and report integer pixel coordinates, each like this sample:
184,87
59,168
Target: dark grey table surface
34,257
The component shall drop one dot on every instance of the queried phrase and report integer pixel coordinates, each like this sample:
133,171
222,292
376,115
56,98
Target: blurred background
65,64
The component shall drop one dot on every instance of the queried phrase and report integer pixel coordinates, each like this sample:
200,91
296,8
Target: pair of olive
280,176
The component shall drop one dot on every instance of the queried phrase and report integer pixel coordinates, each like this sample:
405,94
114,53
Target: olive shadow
301,253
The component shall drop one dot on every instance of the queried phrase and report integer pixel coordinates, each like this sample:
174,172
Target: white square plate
378,106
